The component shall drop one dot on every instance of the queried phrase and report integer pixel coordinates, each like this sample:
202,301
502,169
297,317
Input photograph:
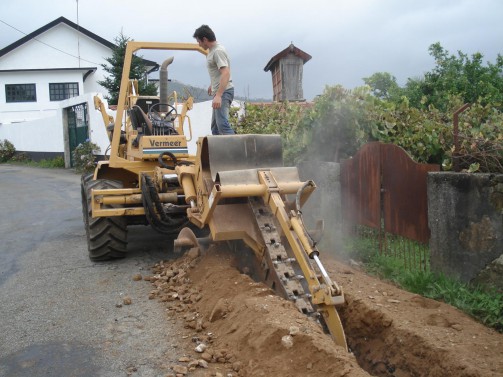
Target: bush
21,157
84,157
283,118
7,150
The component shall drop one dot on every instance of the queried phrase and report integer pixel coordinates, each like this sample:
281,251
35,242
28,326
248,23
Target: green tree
423,133
383,85
114,69
457,75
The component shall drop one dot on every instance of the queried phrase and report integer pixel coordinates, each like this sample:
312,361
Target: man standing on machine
221,88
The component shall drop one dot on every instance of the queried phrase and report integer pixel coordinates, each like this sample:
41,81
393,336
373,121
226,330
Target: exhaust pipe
163,83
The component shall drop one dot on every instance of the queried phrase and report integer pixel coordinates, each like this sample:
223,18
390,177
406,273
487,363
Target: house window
20,93
64,90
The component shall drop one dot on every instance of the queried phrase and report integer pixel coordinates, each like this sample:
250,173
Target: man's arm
225,74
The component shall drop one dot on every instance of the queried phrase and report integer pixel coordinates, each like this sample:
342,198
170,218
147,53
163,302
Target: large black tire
86,177
106,236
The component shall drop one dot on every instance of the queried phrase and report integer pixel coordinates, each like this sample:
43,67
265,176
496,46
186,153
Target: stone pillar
465,216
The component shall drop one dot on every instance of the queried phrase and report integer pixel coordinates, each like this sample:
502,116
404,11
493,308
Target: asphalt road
58,310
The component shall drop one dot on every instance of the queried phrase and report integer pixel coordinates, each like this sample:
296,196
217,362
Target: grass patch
483,304
51,163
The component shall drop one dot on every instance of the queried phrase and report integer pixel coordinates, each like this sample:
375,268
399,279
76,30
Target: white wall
200,119
40,135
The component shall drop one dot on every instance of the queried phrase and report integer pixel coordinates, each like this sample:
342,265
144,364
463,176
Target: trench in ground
384,348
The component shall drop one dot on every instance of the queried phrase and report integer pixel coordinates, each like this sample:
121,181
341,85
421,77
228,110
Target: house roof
50,25
289,50
73,25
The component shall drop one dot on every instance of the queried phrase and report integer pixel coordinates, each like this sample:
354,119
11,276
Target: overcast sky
348,40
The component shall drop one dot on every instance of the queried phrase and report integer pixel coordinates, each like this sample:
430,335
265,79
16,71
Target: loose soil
239,327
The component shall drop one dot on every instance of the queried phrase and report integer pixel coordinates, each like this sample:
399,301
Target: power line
48,45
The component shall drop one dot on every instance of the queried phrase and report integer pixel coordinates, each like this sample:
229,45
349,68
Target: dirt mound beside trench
241,328
245,329
397,333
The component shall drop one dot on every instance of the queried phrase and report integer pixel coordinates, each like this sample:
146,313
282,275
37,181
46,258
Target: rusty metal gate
385,191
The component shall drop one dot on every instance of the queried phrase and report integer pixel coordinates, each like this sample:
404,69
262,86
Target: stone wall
465,215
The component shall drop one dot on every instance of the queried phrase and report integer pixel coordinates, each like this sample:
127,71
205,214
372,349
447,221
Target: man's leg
214,127
222,114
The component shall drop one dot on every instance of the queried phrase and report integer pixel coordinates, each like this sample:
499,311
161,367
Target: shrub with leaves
7,150
428,135
21,157
84,157
340,121
283,118
480,140
424,134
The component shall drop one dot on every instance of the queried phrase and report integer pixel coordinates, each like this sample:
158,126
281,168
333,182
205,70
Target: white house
48,79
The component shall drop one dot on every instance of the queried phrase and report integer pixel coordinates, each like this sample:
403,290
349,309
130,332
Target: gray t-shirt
217,58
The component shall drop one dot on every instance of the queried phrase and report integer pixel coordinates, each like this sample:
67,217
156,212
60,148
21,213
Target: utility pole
78,33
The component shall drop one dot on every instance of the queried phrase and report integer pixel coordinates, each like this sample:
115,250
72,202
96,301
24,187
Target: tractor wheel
106,236
86,177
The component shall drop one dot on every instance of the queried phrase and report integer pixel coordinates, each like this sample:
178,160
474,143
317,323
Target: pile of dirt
241,328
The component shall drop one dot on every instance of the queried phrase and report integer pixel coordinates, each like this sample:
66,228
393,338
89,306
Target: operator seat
140,121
